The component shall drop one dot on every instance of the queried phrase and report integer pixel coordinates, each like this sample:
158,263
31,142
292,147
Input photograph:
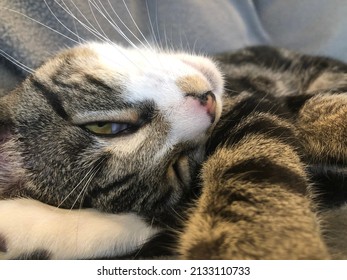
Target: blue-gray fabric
310,26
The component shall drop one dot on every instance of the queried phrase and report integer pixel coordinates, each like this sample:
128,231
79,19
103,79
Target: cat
239,156
92,129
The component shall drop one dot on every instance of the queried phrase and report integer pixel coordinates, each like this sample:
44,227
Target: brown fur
254,197
257,200
190,84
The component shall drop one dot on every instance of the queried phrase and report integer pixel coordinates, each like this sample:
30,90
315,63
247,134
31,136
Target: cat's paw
32,230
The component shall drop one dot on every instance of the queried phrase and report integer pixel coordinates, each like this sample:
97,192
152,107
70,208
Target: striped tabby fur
276,161
271,185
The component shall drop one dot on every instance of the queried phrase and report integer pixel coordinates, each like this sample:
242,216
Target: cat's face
110,128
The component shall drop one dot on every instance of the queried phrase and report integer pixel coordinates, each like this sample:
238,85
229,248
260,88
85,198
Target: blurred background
33,30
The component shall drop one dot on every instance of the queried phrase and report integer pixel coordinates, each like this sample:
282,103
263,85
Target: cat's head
110,128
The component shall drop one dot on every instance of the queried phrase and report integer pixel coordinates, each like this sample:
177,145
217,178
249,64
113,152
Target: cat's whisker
42,24
113,24
154,37
166,39
184,42
66,182
92,5
80,39
117,27
95,169
193,50
85,187
185,45
90,28
16,62
157,41
135,24
83,192
62,24
157,26
74,188
229,89
137,27
177,215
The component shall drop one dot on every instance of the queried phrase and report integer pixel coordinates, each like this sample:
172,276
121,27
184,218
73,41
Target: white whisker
118,29
194,47
89,27
16,62
114,25
90,176
84,188
40,23
187,42
91,5
166,39
80,39
62,24
74,188
151,26
157,26
181,42
133,20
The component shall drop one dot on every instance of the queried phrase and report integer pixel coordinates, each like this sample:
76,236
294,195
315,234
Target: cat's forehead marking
192,84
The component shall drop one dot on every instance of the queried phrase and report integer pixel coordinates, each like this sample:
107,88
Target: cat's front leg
32,230
253,203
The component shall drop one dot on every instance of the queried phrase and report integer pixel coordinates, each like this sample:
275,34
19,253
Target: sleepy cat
138,141
109,128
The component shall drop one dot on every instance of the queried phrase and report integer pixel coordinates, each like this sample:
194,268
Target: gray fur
51,158
245,210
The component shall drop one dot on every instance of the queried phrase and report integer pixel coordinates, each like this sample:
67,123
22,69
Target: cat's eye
109,128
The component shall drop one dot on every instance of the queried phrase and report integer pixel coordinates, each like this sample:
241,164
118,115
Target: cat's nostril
208,100
205,96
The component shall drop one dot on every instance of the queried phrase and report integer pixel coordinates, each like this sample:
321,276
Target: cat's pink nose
208,100
211,105
202,103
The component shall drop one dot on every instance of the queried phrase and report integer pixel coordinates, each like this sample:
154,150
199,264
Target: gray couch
32,30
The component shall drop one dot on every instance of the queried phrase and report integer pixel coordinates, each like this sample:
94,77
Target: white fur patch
28,225
142,75
149,75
